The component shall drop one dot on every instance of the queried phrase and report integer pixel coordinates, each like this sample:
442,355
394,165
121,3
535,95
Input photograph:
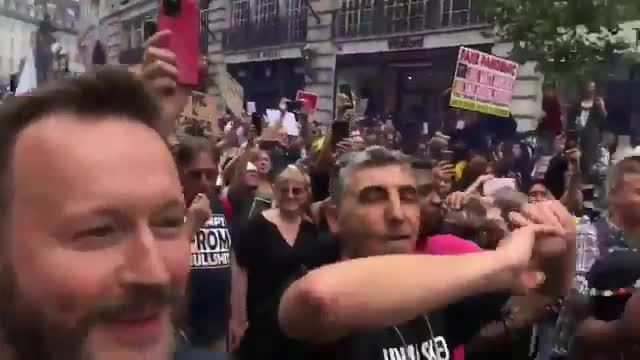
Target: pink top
448,245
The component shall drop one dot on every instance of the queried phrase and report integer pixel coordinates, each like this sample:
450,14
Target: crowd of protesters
465,242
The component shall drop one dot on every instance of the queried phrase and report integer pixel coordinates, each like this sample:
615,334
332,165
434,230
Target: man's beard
31,335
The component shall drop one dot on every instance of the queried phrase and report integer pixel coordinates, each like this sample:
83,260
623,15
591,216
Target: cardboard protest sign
483,83
232,92
201,109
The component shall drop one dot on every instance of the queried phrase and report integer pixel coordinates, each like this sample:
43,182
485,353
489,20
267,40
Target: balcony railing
360,18
274,31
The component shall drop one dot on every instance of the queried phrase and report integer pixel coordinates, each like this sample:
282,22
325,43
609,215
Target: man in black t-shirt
398,306
209,284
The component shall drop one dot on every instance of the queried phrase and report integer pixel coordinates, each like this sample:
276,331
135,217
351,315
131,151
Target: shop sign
405,42
264,54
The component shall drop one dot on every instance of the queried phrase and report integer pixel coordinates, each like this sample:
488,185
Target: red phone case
184,42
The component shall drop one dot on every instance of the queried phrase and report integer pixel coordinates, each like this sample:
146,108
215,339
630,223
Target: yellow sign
483,83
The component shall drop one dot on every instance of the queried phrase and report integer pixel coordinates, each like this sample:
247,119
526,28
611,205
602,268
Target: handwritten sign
200,109
483,83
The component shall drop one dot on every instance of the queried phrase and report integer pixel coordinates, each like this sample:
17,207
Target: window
267,11
297,25
357,17
239,13
133,31
457,13
406,15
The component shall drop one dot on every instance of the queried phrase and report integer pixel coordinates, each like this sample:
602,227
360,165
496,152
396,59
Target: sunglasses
293,190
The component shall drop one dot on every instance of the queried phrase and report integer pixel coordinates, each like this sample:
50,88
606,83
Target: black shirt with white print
210,280
431,337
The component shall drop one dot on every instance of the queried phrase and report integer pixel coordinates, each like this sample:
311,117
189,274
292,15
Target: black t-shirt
432,337
610,280
271,265
210,279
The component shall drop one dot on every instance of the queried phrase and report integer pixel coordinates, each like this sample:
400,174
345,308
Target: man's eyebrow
372,188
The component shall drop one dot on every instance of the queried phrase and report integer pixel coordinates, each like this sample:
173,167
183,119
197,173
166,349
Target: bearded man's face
95,255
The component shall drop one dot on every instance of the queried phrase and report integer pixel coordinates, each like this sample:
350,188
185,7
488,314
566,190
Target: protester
285,247
609,331
103,270
377,213
462,248
210,277
587,117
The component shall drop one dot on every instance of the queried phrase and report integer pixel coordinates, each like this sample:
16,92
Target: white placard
251,107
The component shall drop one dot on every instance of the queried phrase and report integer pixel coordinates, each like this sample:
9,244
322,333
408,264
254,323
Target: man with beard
94,256
386,307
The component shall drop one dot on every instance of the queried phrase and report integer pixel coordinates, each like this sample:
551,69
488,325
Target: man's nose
144,263
394,212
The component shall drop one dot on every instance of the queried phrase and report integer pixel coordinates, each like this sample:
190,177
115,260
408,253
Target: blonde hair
626,166
293,173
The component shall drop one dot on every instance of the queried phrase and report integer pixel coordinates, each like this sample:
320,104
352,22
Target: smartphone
446,155
425,128
182,18
346,90
256,121
339,132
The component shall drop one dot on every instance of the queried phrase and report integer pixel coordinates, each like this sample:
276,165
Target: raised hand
160,74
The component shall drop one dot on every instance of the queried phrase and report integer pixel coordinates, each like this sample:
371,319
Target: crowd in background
369,238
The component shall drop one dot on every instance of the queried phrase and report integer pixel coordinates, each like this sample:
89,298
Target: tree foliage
569,39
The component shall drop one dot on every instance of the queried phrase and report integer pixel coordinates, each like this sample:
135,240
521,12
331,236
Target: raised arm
375,292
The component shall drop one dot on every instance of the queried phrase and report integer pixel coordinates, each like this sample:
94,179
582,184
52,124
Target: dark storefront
407,83
266,82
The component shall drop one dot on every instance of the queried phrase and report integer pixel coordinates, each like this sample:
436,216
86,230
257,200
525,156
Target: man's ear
331,214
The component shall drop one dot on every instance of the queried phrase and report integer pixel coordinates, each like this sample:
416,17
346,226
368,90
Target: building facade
399,54
120,29
20,19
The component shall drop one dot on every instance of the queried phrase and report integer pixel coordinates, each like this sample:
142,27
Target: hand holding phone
339,131
182,18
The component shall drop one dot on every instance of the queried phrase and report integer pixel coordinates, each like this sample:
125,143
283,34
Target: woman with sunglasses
275,247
